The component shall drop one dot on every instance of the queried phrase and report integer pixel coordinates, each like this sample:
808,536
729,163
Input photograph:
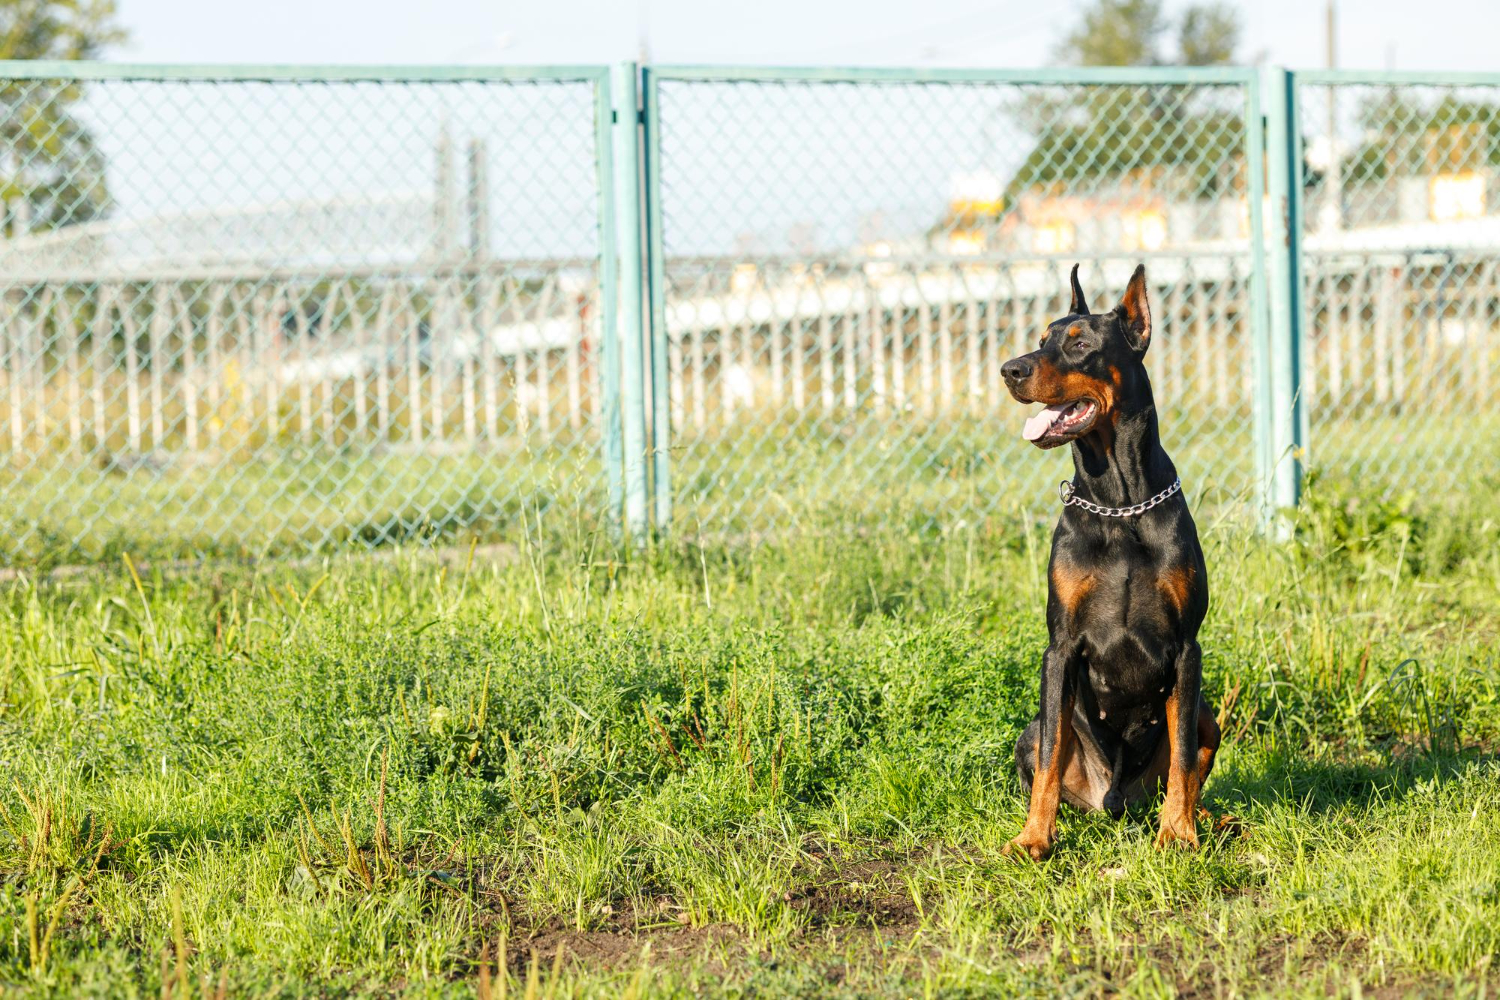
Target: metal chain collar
1065,491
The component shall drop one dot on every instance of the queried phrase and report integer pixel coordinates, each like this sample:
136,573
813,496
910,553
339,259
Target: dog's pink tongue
1037,423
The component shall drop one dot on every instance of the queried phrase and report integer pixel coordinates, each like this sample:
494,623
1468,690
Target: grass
773,770
286,501
291,500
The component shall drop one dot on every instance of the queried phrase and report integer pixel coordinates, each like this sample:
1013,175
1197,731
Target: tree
1131,32
1405,138
1208,35
1117,33
51,170
1164,131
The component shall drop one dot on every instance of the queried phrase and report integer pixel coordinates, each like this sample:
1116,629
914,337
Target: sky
241,147
1372,34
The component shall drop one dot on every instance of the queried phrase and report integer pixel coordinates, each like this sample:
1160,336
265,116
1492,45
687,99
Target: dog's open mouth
1060,423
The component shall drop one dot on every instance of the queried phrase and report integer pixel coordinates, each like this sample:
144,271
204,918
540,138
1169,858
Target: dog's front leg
1179,811
1054,744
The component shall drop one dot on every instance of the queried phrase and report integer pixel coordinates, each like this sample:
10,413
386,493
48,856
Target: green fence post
1284,237
630,329
656,279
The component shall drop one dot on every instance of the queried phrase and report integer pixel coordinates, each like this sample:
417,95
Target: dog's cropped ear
1135,312
1080,305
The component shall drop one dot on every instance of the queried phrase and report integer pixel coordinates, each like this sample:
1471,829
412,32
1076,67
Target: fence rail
177,367
261,309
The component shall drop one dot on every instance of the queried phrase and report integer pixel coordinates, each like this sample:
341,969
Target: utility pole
1331,218
643,31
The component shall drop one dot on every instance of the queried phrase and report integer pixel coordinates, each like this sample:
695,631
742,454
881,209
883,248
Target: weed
558,767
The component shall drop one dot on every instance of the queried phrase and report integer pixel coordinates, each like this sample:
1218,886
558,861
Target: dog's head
1085,367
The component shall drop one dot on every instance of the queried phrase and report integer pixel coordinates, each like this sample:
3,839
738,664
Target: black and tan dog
1121,705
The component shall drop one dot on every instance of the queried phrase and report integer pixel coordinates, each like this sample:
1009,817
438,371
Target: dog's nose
1016,370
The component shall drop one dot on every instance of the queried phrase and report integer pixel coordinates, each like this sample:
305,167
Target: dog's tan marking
1052,387
1072,585
1179,811
1208,744
1176,583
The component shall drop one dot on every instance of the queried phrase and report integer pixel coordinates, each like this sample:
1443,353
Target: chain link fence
848,262
244,314
1401,277
259,311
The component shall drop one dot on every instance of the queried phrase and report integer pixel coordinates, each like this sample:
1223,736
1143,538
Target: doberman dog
1121,701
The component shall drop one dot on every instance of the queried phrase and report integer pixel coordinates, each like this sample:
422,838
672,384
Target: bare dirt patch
616,947
843,899
865,894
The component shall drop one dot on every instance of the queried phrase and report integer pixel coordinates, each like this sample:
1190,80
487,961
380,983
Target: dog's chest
1124,609
1129,675
1118,587
1127,696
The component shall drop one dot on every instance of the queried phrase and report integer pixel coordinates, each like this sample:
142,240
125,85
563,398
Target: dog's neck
1124,464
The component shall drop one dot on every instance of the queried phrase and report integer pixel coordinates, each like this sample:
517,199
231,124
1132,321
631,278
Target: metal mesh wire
1401,277
244,315
249,315
847,266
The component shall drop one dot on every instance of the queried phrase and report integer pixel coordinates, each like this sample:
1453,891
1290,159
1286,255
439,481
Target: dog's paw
1178,831
1034,846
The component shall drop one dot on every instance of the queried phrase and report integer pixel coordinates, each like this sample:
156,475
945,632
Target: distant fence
191,367
269,309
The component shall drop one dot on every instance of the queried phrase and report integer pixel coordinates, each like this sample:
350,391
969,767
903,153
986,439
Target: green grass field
64,509
781,769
